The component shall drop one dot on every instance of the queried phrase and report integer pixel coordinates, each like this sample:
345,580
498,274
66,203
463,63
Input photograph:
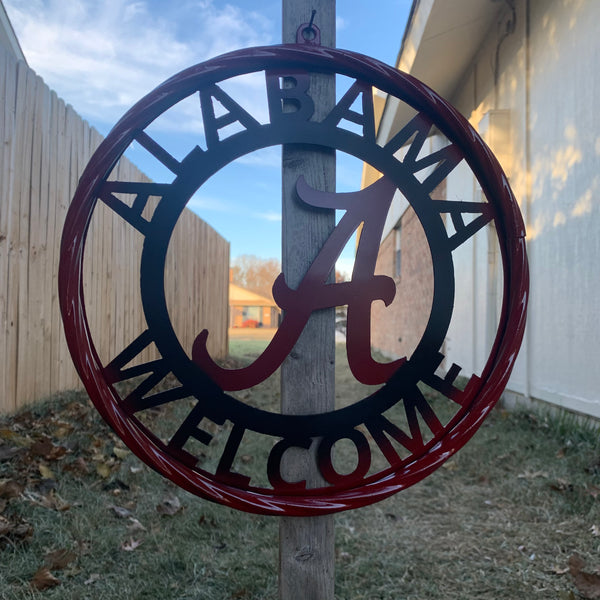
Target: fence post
306,544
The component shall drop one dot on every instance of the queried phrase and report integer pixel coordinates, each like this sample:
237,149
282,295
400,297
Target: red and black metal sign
391,455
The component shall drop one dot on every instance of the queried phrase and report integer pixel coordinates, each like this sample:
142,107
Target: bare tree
255,273
258,274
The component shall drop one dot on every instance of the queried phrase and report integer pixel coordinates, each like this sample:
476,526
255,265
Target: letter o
325,462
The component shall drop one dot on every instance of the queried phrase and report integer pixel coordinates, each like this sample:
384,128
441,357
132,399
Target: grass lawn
514,515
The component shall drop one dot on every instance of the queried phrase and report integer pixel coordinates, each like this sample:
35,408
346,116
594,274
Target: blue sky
103,56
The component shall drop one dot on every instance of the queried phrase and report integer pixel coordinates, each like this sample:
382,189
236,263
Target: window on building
397,249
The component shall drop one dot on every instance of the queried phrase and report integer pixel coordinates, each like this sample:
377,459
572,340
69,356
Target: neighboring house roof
438,46
8,38
239,296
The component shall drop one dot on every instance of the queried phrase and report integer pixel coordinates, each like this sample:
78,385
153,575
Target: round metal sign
391,453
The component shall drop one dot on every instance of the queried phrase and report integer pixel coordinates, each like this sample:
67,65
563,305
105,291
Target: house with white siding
525,74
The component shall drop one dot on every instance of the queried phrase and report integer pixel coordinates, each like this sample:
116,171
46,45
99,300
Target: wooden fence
45,146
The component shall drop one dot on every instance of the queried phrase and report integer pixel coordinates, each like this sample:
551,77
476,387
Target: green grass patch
499,520
246,350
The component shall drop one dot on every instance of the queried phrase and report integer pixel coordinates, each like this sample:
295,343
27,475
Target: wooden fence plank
58,192
7,124
12,238
26,83
51,284
45,272
45,146
34,333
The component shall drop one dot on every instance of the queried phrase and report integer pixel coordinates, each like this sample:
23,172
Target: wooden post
306,544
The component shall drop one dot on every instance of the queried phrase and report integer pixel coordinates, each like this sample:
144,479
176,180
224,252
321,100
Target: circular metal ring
342,491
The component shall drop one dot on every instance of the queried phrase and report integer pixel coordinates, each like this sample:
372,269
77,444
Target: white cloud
102,57
340,23
266,157
270,216
202,203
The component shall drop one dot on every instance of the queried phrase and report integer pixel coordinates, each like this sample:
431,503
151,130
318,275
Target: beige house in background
247,309
525,74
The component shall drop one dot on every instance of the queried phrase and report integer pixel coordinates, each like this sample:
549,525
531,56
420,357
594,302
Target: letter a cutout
368,206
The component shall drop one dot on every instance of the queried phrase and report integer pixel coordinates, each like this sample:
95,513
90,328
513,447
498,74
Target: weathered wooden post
306,544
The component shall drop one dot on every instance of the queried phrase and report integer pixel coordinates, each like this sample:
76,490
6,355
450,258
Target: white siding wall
468,342
560,201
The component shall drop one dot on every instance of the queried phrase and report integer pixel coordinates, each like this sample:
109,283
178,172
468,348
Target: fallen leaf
532,475
97,456
97,442
115,486
55,502
8,452
130,545
121,512
78,466
121,453
560,570
103,469
8,434
587,584
42,447
15,530
135,525
595,530
11,489
52,500
450,465
561,485
43,579
45,471
169,506
92,579
63,430
59,559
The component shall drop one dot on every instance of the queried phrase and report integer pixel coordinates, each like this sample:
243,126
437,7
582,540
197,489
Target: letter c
274,465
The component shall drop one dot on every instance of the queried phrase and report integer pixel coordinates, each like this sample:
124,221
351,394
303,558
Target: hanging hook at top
309,33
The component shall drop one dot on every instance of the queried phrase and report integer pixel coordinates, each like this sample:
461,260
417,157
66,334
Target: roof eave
438,46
